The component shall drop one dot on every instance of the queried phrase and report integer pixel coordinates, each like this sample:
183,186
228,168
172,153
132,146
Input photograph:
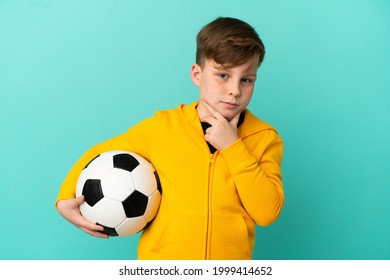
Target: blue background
74,73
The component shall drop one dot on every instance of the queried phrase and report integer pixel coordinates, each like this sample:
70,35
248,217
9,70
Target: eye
246,81
222,75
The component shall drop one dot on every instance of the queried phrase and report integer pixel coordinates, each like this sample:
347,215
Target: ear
195,74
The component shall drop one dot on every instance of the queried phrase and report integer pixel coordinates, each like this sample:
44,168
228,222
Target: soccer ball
122,192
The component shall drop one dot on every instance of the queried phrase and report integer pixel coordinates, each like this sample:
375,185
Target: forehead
248,67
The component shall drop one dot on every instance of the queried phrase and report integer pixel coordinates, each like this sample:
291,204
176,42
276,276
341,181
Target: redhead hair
228,41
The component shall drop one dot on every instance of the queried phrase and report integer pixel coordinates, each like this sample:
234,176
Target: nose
234,90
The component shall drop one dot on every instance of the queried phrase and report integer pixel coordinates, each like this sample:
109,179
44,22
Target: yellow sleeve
258,182
137,139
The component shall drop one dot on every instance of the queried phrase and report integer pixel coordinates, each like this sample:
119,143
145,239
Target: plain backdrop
75,73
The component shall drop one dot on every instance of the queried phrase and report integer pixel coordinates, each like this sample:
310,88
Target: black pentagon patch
91,161
125,162
135,204
92,191
159,188
109,231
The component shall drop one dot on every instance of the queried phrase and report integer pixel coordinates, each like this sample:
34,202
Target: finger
85,224
209,119
96,233
207,137
95,227
80,199
235,119
213,111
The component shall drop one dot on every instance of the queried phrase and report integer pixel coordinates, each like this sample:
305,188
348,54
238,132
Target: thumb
79,200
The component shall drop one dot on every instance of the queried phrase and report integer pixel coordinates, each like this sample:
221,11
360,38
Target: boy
218,164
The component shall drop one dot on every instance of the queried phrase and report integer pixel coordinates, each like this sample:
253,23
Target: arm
258,182
136,139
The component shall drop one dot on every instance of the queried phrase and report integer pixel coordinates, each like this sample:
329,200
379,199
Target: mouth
230,104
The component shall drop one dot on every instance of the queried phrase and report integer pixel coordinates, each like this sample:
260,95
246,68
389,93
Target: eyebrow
220,67
250,74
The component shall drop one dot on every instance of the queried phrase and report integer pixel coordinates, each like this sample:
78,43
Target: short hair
229,42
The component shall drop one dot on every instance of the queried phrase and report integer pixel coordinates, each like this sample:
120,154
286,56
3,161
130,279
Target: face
228,90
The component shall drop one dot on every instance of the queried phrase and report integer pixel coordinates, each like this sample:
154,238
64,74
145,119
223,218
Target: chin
229,117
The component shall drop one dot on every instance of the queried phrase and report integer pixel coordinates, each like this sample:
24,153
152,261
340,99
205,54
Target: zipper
198,131
209,196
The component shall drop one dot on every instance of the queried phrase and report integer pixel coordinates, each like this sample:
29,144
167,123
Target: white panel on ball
131,226
144,179
88,213
109,212
153,206
100,166
123,182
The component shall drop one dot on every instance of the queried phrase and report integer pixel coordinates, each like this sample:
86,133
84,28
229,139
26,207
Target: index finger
209,119
93,229
95,232
213,112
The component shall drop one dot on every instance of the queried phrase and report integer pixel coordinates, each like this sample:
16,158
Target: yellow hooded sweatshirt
210,202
